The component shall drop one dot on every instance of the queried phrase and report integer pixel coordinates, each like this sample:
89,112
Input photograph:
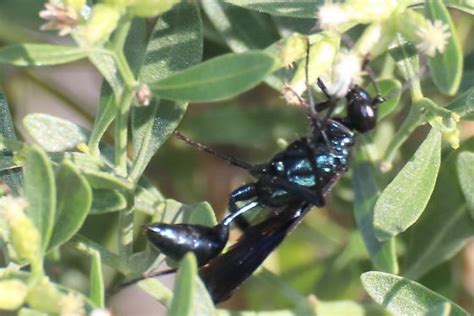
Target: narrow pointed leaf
74,201
445,226
295,9
402,296
404,199
40,54
184,288
382,253
151,126
53,133
465,166
446,67
97,288
216,79
40,192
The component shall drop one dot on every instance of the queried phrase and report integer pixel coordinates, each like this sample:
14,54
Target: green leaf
184,288
74,201
366,190
463,105
402,296
157,290
202,303
446,67
445,226
407,61
391,88
99,174
40,192
147,197
40,54
107,201
404,199
465,168
295,9
152,125
134,50
54,134
13,178
216,79
197,213
237,26
97,288
463,5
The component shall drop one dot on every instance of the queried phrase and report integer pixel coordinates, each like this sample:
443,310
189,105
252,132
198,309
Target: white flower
346,72
330,16
433,36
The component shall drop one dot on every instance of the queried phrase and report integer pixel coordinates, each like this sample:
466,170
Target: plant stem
126,230
121,132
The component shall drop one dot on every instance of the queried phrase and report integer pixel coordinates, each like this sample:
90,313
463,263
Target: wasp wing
223,274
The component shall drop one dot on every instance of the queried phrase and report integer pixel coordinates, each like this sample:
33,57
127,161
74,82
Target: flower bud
321,56
45,297
24,235
12,294
102,23
72,304
148,8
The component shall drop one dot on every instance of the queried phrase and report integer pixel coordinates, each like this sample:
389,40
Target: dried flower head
291,96
433,36
330,16
59,17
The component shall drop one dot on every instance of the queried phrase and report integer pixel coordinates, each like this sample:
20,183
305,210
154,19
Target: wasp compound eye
175,240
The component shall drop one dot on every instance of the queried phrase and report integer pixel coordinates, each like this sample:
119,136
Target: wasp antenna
233,161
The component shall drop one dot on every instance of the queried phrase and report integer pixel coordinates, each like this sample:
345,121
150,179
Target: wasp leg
243,193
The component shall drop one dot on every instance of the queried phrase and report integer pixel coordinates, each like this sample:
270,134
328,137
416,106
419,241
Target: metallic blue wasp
293,181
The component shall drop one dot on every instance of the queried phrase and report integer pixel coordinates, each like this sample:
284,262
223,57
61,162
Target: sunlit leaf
74,198
216,79
40,192
405,198
40,54
402,296
53,133
445,226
